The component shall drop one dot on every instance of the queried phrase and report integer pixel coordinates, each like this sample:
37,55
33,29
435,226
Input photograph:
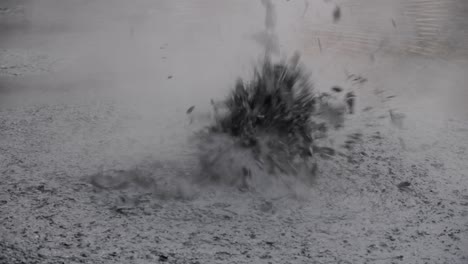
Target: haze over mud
94,86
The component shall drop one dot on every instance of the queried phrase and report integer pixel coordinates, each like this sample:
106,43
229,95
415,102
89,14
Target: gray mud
95,166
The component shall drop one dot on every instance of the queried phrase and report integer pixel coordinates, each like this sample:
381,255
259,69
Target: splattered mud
397,192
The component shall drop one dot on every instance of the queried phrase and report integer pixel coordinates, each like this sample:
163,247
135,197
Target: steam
268,38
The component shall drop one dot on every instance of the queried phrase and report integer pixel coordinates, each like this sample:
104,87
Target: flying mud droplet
336,14
190,110
337,89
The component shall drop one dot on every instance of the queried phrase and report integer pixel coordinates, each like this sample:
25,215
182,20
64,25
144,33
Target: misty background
151,60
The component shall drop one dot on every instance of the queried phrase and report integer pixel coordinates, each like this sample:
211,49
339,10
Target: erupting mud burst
270,126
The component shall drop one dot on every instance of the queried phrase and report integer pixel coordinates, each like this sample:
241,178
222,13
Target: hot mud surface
381,202
397,193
